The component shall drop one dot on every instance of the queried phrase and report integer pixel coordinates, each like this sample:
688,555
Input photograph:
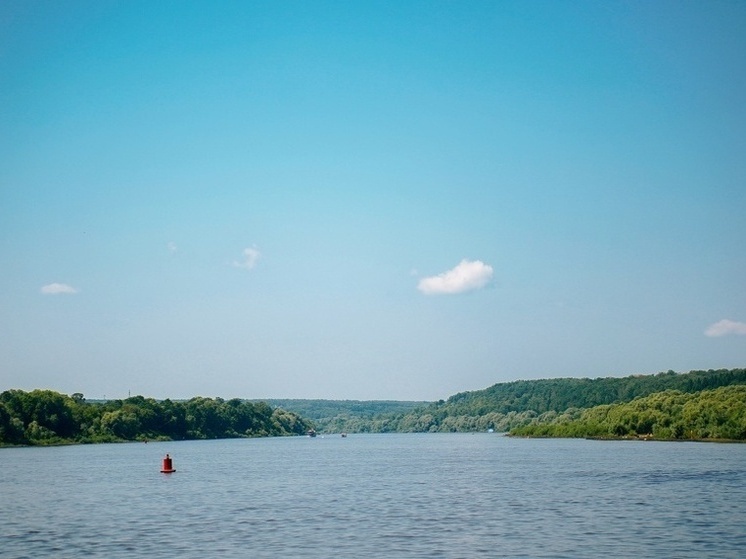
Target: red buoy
168,466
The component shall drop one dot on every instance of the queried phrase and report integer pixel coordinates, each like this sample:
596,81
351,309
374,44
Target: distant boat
311,433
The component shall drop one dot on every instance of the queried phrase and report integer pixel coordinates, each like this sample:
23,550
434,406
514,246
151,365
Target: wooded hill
560,394
326,409
505,406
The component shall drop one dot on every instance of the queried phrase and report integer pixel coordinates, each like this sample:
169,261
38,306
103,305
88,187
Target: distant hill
505,406
339,415
563,393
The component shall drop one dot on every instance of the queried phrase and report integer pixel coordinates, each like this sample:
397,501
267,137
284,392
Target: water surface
382,496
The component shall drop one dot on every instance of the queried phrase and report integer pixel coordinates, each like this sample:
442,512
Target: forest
353,416
506,407
46,417
702,405
718,414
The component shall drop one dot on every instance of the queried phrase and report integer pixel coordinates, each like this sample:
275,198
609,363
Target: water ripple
401,496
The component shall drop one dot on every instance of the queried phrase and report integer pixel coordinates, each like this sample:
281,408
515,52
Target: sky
395,200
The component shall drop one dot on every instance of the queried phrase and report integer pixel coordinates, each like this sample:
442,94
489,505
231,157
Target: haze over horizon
369,200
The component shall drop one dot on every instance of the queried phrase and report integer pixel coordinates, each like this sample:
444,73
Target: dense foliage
325,409
560,394
47,417
505,406
709,414
354,416
699,404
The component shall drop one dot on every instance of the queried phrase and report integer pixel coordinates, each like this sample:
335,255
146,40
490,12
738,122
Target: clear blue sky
368,200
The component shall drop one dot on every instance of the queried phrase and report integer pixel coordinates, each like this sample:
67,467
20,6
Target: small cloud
58,289
250,257
467,276
172,247
726,327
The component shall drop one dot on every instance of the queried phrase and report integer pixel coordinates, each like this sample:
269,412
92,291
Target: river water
375,496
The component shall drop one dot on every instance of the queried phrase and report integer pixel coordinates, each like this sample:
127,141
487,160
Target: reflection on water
376,496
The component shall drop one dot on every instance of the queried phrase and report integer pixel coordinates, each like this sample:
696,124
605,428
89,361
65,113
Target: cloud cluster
725,327
58,289
466,276
250,257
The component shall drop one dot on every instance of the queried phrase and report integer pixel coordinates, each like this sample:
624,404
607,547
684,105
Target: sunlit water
382,496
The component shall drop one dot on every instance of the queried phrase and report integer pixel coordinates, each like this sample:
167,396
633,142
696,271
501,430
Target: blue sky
368,200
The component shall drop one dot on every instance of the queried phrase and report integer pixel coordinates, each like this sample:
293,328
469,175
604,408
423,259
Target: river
375,496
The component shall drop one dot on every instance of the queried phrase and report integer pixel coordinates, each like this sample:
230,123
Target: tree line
48,417
665,405
560,394
718,414
506,406
325,410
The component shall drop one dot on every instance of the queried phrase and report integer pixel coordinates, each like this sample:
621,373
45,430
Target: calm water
382,496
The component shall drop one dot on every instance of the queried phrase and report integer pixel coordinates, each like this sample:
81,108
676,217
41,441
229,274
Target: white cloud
250,257
725,327
58,289
172,247
467,276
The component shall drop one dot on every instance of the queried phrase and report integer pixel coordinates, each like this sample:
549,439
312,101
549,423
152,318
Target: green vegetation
507,406
696,405
47,417
353,416
718,414
531,407
560,394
